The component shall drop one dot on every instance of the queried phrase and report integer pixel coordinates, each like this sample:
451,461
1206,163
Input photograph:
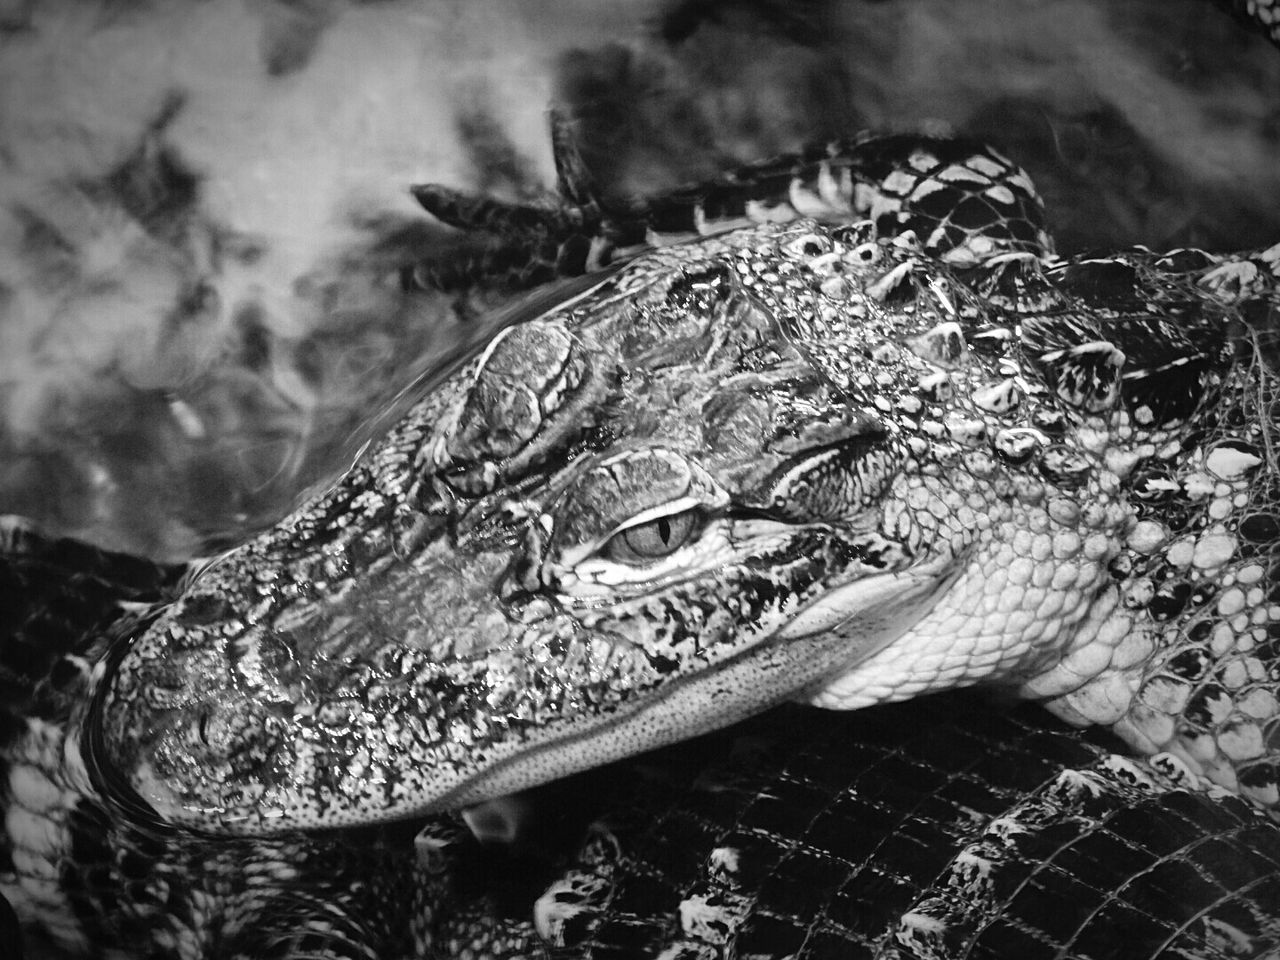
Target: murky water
204,209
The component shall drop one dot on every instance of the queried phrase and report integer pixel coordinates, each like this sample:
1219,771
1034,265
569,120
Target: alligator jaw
383,700
875,611
443,735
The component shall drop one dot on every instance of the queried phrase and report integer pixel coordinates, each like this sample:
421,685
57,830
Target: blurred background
205,213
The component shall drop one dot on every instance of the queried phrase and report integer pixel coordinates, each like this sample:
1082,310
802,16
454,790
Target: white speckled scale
1129,577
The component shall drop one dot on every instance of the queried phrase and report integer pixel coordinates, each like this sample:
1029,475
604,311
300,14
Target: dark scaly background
204,206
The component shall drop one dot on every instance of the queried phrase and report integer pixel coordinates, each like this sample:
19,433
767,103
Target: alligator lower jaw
827,639
423,732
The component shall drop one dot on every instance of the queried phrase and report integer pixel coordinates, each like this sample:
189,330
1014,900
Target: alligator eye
652,539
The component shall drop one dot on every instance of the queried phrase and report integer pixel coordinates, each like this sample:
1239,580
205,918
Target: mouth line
668,706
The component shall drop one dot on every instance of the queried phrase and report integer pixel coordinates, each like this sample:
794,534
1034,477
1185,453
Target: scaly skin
90,865
856,479
933,830
965,203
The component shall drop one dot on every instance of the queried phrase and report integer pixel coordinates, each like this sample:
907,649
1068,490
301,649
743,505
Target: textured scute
976,832
1202,567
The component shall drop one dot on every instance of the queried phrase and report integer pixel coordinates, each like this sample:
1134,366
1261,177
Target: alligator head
786,462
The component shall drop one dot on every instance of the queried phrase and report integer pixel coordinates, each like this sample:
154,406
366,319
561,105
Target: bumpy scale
787,462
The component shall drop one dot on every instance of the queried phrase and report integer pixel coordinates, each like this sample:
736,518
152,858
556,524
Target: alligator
847,464
700,489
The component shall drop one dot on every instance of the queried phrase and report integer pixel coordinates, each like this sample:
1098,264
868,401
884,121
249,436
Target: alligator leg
963,199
